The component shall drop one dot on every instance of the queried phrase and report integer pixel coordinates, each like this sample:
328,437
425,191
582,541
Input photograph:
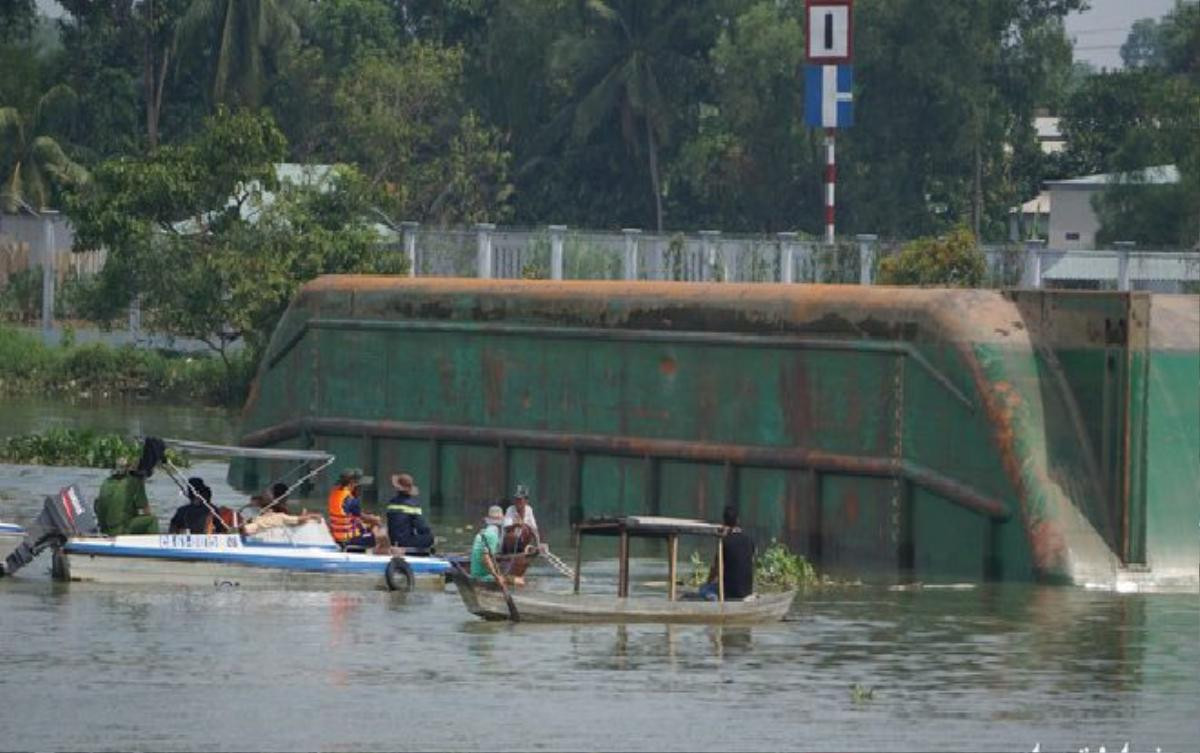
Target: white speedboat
303,556
11,535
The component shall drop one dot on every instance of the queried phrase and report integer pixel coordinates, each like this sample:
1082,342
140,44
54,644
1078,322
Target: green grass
28,366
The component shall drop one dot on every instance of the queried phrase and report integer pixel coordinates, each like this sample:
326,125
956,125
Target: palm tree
616,62
241,40
32,163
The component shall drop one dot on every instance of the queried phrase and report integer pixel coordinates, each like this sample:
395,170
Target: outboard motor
61,517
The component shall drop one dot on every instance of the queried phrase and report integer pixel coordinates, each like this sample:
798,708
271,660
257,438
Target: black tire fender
398,575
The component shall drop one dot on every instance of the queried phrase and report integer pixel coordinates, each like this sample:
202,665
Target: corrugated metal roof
1158,175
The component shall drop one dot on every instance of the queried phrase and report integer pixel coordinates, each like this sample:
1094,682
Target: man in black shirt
738,554
196,516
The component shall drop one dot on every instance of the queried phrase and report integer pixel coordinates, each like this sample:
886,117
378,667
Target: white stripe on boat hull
190,573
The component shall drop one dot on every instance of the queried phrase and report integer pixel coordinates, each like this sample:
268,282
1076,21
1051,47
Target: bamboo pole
721,569
673,550
578,557
623,565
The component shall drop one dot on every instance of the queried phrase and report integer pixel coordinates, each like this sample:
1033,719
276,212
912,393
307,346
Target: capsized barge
897,433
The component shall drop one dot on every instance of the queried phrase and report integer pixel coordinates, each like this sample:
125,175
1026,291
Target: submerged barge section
905,432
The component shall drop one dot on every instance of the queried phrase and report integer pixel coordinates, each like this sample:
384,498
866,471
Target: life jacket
230,518
341,526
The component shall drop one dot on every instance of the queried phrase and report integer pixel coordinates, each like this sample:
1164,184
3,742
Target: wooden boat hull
486,602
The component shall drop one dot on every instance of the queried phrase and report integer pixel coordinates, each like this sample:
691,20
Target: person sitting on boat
275,498
519,533
121,506
485,546
348,524
406,526
196,516
270,517
737,549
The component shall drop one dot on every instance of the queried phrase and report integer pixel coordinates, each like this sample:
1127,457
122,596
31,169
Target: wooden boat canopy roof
648,526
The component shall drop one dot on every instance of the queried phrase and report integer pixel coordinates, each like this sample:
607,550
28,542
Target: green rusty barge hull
895,432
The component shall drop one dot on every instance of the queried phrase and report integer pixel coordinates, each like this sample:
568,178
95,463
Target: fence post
410,245
629,266
556,251
49,274
1123,249
483,260
1033,263
787,256
709,242
866,258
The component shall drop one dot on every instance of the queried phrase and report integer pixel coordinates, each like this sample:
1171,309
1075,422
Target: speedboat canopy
261,453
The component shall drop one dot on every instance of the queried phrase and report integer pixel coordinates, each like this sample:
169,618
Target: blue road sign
828,99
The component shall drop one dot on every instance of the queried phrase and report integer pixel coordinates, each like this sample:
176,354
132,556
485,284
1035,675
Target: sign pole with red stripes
830,183
830,48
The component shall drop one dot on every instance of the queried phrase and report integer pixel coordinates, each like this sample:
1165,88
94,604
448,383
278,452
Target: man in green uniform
122,506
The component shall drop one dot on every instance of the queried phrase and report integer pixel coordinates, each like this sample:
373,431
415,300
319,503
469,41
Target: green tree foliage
1124,121
17,19
405,124
953,260
33,165
1143,47
752,159
628,112
239,44
945,101
622,65
211,241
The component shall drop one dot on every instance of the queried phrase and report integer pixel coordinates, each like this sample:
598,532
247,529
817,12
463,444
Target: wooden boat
492,602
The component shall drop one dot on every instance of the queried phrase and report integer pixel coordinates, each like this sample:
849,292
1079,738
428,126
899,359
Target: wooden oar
513,614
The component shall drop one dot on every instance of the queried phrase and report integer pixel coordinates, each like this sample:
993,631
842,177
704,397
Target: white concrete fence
559,253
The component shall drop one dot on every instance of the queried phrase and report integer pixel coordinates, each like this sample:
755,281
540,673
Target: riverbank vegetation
158,128
613,113
98,371
80,448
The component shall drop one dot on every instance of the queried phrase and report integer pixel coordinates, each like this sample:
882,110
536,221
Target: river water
996,667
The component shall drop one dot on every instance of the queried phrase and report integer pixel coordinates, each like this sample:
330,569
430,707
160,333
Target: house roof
1039,204
1159,175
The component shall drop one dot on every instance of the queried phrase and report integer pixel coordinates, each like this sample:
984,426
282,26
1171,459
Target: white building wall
1073,222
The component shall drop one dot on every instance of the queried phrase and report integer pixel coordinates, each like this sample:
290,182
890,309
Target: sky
1098,31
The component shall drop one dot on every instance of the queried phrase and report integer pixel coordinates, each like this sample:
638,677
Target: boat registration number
198,541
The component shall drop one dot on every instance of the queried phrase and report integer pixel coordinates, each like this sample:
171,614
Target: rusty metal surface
705,452
791,401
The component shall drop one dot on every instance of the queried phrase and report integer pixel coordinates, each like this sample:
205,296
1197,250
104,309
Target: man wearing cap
519,532
122,506
406,526
485,546
348,524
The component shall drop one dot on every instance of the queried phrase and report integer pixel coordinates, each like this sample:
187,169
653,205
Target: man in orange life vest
349,525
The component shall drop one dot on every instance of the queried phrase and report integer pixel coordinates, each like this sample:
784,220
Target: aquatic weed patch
81,448
778,569
775,569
